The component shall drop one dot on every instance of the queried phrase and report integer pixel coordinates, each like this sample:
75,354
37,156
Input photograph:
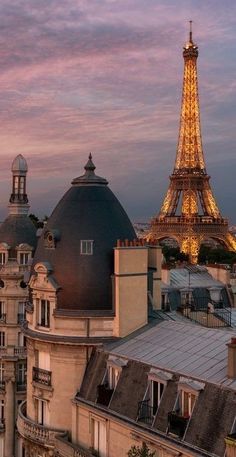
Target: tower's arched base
190,233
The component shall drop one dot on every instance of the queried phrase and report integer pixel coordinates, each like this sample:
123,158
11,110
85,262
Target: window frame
2,339
44,310
84,247
97,444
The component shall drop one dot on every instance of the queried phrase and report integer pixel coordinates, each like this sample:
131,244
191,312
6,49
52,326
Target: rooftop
188,349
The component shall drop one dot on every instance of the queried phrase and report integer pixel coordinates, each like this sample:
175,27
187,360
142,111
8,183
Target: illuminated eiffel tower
189,212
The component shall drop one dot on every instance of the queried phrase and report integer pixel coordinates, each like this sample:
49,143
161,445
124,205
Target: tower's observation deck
189,212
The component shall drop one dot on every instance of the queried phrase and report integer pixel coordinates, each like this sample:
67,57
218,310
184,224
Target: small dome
18,229
88,212
19,164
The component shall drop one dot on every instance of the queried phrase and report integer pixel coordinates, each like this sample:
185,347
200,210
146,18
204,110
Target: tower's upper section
18,199
17,229
189,156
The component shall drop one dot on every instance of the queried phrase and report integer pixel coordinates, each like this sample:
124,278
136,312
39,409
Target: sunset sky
105,76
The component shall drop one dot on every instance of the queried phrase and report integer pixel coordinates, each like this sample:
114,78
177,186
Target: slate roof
88,211
187,349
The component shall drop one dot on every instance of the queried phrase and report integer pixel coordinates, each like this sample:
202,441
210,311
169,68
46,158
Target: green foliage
36,221
174,254
216,255
144,451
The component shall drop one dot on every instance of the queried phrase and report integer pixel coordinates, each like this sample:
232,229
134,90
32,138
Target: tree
144,451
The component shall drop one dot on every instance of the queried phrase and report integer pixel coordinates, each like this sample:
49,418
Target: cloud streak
106,76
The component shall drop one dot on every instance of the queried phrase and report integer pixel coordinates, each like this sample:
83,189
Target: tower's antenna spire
190,32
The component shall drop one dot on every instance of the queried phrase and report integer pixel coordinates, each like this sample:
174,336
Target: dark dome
17,229
88,211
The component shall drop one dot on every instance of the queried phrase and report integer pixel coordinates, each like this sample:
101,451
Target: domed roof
18,229
89,211
19,164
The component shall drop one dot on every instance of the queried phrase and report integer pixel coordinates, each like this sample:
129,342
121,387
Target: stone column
9,417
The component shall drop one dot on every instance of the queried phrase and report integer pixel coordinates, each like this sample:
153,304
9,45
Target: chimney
231,372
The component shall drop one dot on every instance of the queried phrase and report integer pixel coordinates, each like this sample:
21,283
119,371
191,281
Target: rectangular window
2,369
44,313
21,312
99,437
1,411
187,403
43,360
42,412
2,339
113,376
2,258
24,258
21,373
2,311
86,247
157,389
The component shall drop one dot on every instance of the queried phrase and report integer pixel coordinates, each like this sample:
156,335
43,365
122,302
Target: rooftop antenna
190,32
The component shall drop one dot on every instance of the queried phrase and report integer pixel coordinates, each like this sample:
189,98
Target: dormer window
113,376
24,258
187,403
44,313
86,247
156,391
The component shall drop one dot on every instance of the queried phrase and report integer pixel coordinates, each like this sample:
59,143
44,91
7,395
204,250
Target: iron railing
42,376
177,423
145,412
211,318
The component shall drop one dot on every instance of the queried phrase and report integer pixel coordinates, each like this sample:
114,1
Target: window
187,403
42,412
113,376
21,312
157,389
2,311
24,258
21,373
21,339
99,437
1,412
44,313
2,339
2,258
2,370
86,247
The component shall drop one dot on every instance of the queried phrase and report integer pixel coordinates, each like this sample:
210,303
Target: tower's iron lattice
189,212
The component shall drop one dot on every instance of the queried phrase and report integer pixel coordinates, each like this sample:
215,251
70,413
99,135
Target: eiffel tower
189,213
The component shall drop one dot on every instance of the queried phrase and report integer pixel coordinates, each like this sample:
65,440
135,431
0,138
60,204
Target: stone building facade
17,245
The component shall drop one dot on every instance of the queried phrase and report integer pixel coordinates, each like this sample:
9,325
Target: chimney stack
231,371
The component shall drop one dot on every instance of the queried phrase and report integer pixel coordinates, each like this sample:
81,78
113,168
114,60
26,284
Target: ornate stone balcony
42,376
66,449
40,434
20,351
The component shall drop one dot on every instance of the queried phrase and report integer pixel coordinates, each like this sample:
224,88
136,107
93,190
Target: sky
105,76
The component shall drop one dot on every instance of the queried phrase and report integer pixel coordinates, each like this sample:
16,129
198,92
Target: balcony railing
104,394
21,386
177,424
20,351
145,412
64,447
2,318
42,376
40,434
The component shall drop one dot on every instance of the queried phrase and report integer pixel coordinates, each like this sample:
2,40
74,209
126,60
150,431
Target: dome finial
90,167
